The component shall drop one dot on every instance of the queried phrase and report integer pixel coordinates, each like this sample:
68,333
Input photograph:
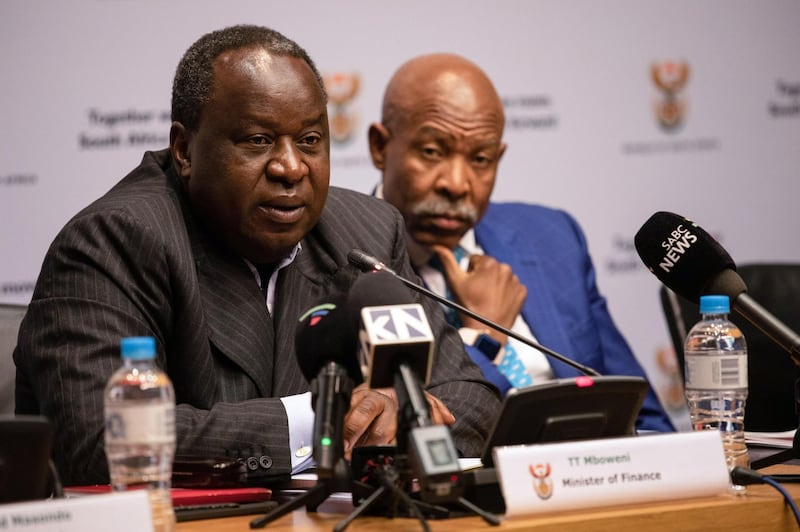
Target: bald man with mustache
524,266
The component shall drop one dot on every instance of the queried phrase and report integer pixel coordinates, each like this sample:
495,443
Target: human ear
378,139
179,149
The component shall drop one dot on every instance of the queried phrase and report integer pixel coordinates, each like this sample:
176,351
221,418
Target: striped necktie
510,365
450,313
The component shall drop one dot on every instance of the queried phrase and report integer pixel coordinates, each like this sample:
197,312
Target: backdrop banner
615,109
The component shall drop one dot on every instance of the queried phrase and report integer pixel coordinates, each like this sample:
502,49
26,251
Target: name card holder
592,473
121,512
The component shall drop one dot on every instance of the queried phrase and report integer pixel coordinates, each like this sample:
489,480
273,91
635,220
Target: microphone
325,344
690,262
395,338
367,263
397,348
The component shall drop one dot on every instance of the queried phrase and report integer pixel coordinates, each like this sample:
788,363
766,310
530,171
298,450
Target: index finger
448,260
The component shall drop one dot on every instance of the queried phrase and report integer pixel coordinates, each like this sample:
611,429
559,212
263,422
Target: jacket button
265,461
252,463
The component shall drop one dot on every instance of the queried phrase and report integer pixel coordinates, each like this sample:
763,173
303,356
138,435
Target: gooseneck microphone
326,344
690,262
368,263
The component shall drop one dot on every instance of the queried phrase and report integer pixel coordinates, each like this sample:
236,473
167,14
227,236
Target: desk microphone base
311,498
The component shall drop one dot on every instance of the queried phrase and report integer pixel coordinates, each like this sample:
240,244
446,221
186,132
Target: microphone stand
340,481
333,472
395,478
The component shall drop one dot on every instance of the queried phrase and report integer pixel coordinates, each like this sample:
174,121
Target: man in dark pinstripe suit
187,247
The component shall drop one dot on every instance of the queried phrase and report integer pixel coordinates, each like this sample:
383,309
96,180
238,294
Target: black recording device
581,408
435,459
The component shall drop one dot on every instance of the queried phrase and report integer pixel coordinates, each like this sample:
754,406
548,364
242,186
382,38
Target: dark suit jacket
547,250
136,263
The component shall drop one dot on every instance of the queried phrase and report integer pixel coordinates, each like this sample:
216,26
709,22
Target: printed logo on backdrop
542,483
529,112
343,116
787,100
115,129
344,120
670,78
670,391
18,179
16,289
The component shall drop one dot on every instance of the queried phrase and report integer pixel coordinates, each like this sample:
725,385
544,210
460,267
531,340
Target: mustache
443,207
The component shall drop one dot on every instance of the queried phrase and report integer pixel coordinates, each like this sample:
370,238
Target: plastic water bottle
716,378
140,428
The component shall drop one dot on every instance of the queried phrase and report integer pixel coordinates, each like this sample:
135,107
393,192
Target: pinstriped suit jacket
135,262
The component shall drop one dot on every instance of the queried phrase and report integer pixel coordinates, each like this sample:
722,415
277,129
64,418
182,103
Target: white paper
121,512
778,440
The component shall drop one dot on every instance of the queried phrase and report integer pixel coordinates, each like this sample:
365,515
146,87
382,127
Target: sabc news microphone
690,262
368,263
397,350
326,345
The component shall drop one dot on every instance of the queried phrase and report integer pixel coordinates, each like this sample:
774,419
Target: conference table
761,508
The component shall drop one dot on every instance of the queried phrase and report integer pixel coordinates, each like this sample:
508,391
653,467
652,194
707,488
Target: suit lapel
307,281
539,310
234,309
238,321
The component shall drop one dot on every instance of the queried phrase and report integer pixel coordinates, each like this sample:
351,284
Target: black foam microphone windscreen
327,333
686,258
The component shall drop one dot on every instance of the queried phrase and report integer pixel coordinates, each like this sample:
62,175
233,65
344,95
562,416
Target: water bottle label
137,423
715,372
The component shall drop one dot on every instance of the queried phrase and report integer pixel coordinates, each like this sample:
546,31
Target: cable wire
789,500
743,476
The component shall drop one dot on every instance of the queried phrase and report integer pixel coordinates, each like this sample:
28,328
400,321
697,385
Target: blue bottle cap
715,305
138,347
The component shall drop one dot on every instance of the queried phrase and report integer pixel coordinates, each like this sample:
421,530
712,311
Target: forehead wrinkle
449,104
450,122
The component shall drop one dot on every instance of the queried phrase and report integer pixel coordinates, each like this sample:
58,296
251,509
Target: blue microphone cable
744,476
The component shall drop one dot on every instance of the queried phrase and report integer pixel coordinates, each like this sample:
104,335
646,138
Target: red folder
190,497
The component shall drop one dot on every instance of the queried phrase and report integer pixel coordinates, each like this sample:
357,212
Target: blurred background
615,109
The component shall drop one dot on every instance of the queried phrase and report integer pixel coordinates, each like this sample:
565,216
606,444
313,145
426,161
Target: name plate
121,512
583,474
